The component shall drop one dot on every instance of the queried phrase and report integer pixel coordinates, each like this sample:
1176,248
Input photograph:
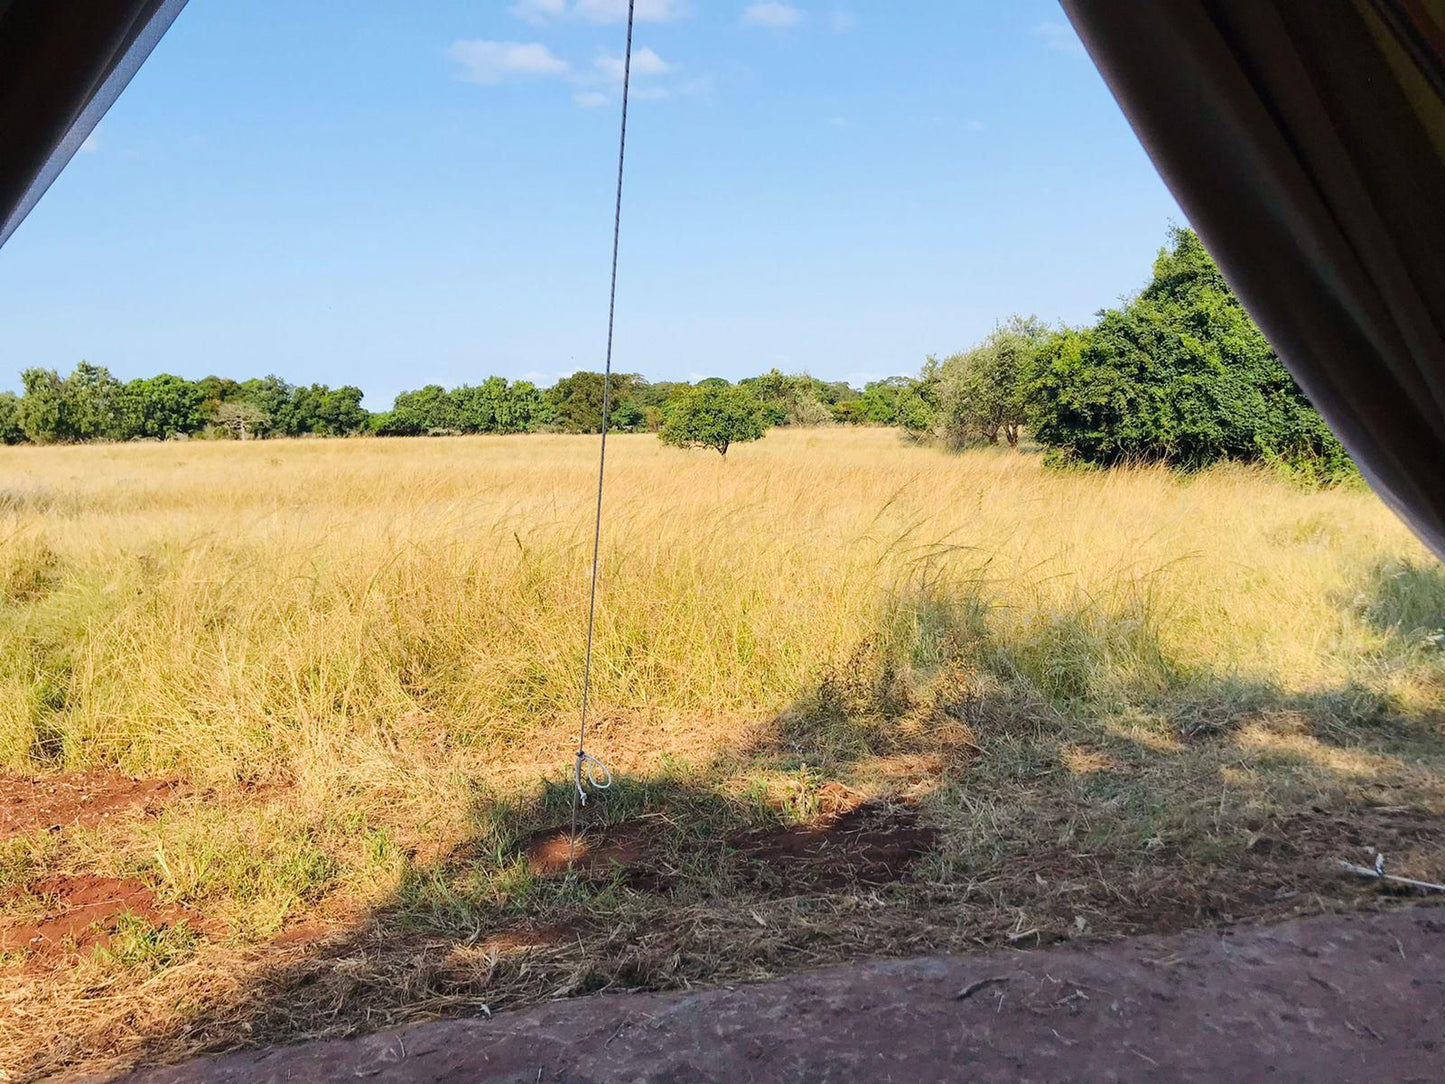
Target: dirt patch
82,799
528,937
632,847
82,914
870,843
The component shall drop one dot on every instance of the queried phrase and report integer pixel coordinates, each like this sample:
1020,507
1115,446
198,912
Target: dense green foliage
714,415
494,406
91,404
1179,374
981,393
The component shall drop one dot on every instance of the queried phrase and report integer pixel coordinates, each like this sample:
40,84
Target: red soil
81,799
82,913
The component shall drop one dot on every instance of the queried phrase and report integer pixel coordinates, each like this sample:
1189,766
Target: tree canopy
714,416
1179,374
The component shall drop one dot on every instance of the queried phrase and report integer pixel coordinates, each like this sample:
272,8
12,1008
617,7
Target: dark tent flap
1306,143
62,64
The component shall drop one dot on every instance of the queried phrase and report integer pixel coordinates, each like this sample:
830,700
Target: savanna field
307,709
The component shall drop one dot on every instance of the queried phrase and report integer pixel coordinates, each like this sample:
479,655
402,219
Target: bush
714,417
1180,375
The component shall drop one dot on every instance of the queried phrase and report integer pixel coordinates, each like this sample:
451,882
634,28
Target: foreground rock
1337,998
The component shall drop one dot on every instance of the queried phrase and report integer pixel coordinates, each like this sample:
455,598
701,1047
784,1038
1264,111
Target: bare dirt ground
1333,998
81,799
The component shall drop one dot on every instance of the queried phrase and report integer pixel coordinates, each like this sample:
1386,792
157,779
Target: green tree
332,412
275,399
882,402
44,407
12,426
524,409
714,417
426,410
86,405
1181,375
791,398
577,399
981,392
161,407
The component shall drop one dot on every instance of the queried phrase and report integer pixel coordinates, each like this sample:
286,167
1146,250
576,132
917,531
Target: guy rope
587,770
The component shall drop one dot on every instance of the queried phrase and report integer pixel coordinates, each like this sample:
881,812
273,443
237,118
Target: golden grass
362,656
318,610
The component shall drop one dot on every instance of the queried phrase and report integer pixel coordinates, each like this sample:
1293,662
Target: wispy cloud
1060,38
91,143
840,22
837,122
498,61
539,11
590,99
773,14
644,63
598,11
974,125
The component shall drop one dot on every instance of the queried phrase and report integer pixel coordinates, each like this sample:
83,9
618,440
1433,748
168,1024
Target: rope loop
592,772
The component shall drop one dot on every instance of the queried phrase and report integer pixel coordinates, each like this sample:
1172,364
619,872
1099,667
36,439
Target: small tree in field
712,416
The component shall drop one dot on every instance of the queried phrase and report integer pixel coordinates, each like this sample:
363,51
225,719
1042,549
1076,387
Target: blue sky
389,194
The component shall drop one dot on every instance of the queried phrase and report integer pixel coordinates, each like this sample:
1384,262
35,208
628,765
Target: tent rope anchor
588,770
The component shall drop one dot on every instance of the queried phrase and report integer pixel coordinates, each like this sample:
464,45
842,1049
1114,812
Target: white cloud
1060,38
591,99
539,11
974,125
92,143
840,22
498,61
598,11
837,122
644,62
772,13
615,11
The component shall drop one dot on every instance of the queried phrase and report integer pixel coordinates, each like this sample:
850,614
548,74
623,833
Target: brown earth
79,799
870,843
82,913
1333,998
852,841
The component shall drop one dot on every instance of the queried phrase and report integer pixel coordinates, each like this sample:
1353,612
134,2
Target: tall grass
1129,699
319,611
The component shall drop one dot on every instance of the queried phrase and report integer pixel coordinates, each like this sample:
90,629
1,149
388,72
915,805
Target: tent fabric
1306,144
62,65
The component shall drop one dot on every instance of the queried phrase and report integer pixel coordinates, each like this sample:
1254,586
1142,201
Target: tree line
1177,373
91,404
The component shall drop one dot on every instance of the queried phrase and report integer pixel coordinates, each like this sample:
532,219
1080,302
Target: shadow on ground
953,792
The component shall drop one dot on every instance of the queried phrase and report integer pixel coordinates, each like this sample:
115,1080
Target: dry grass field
860,697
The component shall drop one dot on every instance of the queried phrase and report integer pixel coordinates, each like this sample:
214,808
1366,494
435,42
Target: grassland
1014,705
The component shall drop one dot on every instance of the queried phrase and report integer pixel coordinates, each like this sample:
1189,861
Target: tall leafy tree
981,392
275,399
83,406
12,426
577,399
1179,374
160,407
